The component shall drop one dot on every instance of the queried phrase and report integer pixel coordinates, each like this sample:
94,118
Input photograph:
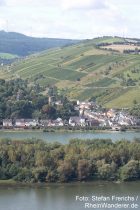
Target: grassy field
83,72
8,182
120,47
110,40
105,82
126,99
7,56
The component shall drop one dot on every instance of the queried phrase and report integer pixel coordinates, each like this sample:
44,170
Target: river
64,137
63,196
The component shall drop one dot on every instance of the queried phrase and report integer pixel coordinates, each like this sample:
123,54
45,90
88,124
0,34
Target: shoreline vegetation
14,184
72,129
30,162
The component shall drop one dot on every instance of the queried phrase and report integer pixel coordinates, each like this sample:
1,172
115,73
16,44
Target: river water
63,196
66,136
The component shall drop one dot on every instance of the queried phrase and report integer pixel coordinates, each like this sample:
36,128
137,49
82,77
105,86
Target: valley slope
84,71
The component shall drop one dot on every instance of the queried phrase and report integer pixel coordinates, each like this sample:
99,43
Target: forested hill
21,45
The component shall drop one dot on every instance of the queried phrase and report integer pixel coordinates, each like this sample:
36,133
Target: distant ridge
22,45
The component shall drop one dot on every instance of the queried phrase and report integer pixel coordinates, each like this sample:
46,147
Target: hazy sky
71,18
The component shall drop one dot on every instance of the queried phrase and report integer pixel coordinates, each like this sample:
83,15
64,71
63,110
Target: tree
40,174
83,170
106,171
135,110
135,102
130,171
65,171
49,111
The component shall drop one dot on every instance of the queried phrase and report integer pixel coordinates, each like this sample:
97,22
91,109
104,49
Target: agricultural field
121,48
105,82
83,72
125,100
110,40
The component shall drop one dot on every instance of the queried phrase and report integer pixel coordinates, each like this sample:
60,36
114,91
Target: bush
130,171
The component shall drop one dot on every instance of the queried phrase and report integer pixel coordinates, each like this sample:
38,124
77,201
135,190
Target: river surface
66,136
63,196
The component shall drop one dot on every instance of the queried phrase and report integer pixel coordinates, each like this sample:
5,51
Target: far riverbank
71,130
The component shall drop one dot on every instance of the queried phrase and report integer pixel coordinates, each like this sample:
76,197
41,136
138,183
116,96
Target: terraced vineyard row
83,71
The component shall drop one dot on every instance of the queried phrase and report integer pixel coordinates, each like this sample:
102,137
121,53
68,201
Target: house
59,104
111,113
44,123
7,123
20,123
91,115
59,122
104,123
26,123
84,105
137,122
116,128
52,123
31,123
93,122
77,121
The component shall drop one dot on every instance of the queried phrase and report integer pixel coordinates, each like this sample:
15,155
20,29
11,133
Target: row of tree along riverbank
39,162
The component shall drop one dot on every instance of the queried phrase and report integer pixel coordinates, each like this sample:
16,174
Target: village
90,115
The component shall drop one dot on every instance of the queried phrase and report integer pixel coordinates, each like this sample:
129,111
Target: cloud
84,5
31,3
2,2
61,4
70,18
2,24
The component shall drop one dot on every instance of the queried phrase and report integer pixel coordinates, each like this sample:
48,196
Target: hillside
21,45
83,71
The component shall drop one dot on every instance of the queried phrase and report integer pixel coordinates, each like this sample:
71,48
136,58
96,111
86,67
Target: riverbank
72,130
14,184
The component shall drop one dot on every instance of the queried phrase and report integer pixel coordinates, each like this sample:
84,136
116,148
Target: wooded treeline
18,99
34,161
